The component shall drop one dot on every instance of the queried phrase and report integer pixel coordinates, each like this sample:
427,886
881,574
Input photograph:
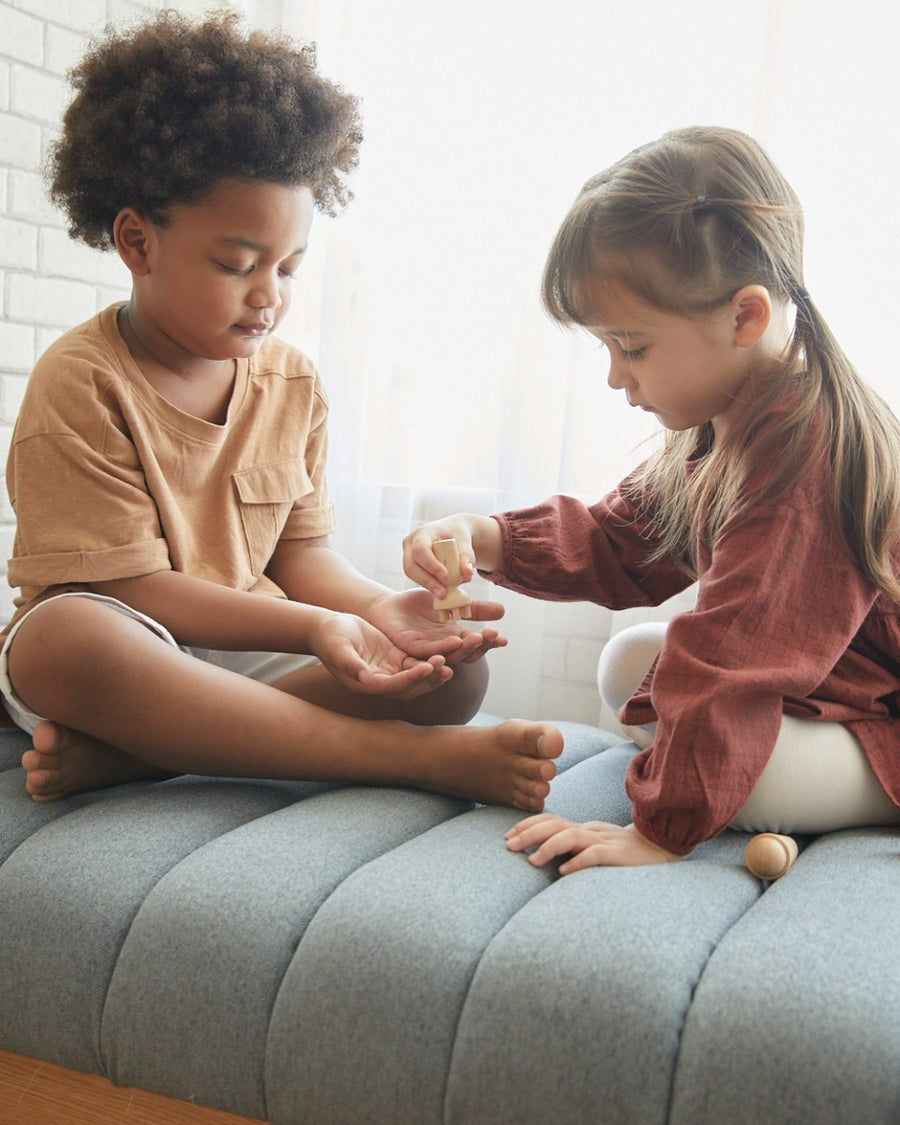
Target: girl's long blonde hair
684,223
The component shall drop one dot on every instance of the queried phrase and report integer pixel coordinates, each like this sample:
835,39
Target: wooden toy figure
769,856
456,603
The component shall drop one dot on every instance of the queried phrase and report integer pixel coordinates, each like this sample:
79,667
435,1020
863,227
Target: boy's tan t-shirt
110,480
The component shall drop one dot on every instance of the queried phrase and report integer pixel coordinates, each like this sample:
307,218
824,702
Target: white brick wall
47,283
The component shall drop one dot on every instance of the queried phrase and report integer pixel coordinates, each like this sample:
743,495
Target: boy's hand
409,620
362,658
592,844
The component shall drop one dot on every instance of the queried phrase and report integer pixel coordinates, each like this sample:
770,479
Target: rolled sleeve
81,516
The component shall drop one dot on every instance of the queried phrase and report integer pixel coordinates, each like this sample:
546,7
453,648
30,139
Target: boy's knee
472,684
456,701
57,623
55,641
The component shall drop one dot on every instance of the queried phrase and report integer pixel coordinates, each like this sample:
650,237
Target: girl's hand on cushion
591,844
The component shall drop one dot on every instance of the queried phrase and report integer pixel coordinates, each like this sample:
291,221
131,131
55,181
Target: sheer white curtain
449,386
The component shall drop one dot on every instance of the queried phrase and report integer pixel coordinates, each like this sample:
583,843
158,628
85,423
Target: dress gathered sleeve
779,603
565,550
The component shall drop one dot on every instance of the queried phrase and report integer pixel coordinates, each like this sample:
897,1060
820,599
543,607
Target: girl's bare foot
508,764
64,762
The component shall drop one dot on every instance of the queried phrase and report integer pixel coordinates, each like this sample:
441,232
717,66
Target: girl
168,465
775,704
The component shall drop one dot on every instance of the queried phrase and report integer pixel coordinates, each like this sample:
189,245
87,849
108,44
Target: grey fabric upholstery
319,955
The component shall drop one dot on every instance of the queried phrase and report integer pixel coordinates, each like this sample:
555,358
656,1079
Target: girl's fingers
587,857
420,562
522,824
560,843
534,830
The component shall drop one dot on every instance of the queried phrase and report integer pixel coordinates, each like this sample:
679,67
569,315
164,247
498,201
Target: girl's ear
132,233
752,307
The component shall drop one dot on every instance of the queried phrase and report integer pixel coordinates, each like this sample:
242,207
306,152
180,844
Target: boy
181,609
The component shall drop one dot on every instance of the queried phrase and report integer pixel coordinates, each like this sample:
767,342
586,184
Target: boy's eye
288,272
241,271
290,267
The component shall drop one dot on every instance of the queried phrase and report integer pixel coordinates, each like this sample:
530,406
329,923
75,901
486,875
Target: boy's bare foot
64,762
508,764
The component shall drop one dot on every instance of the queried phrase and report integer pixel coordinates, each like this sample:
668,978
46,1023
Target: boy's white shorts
263,666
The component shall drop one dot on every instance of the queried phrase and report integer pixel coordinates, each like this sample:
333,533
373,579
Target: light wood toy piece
456,603
769,856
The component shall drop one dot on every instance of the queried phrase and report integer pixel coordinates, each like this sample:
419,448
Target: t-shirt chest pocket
265,498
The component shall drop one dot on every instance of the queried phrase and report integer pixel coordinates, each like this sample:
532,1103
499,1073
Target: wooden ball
769,856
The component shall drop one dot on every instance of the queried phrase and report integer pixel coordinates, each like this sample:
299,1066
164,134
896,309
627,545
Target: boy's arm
310,571
204,614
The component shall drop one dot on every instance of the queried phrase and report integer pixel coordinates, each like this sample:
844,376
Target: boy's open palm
410,621
364,659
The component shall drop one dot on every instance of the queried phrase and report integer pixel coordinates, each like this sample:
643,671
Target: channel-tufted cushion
319,955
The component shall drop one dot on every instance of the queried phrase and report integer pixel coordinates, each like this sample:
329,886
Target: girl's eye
625,353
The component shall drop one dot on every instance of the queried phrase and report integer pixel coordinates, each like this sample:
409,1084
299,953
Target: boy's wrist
370,599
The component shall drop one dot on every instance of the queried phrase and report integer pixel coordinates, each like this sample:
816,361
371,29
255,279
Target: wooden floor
35,1093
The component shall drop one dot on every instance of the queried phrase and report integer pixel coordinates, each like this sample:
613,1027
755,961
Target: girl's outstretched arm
592,844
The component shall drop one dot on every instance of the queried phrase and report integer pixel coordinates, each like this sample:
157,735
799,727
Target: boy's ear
132,232
752,308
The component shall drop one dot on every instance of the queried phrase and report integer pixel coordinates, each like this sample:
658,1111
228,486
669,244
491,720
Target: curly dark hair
164,111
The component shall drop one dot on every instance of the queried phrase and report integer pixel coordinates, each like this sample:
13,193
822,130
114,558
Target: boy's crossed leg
142,707
63,762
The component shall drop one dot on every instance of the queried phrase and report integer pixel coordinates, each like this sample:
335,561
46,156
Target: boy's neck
197,386
160,354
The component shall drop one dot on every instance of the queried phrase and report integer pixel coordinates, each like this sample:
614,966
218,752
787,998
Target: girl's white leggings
817,779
